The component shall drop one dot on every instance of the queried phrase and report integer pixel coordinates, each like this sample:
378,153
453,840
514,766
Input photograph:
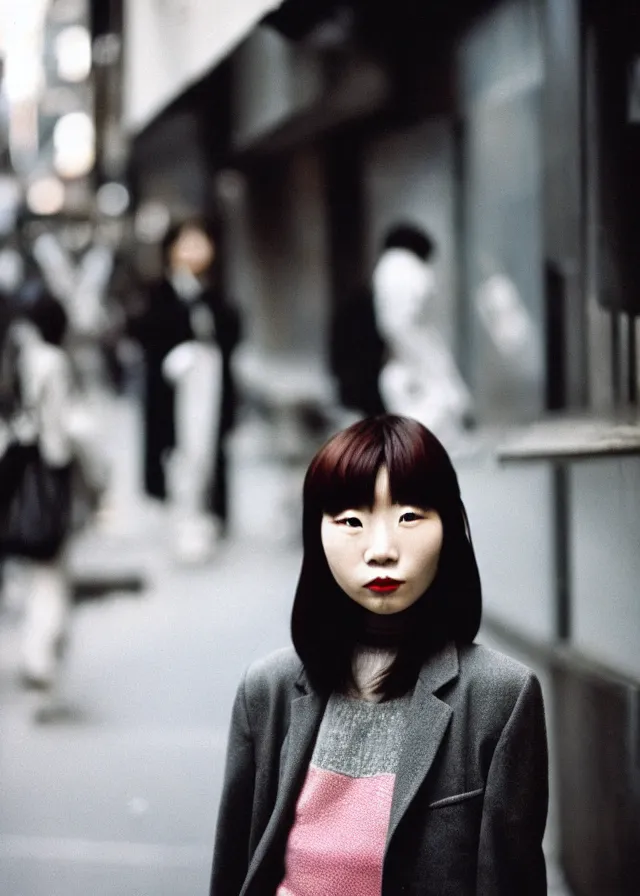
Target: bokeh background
510,131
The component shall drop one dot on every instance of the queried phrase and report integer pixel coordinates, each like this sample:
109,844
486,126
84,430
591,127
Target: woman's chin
384,604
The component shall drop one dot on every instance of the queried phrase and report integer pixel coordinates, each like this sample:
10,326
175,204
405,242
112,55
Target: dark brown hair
325,622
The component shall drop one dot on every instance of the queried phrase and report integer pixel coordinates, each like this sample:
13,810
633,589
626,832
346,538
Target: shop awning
170,45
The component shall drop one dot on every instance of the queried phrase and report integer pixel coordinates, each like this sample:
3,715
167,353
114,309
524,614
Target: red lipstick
384,585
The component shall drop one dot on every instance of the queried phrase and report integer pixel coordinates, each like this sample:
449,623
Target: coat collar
440,669
428,721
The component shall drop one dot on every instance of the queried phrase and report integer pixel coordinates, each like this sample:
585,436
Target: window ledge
570,438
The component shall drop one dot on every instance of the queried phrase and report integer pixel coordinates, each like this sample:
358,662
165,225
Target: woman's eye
410,516
351,522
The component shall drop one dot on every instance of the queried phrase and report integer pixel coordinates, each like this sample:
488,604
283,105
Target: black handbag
35,503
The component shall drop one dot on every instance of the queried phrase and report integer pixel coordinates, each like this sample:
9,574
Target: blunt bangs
343,473
420,472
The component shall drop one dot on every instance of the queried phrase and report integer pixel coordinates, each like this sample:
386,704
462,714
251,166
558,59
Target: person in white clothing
194,368
46,386
419,377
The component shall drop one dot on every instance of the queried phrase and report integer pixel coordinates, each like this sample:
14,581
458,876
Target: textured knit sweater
336,844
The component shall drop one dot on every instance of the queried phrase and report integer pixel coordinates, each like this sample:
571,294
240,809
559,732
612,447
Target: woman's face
192,250
383,558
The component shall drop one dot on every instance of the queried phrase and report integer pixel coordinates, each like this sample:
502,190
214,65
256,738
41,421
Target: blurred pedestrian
388,752
190,398
419,377
36,463
387,353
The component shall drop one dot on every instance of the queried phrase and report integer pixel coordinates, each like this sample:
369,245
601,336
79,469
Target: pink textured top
337,842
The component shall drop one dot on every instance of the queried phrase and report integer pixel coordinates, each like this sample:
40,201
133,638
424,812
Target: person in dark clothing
357,353
159,329
187,295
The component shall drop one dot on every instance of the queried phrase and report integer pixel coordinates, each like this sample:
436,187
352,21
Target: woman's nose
382,548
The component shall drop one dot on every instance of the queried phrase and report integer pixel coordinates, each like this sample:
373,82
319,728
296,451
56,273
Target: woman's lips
383,586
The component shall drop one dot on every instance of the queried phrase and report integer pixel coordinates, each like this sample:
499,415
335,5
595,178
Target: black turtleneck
384,630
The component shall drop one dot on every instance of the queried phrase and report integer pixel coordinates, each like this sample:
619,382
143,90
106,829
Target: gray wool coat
470,798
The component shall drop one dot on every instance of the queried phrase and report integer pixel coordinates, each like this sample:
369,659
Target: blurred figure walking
40,446
36,398
388,354
419,377
188,333
45,376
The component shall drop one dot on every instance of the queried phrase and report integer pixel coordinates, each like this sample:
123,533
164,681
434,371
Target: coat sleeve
231,849
510,857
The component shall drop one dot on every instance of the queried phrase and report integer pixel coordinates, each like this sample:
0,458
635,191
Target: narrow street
114,790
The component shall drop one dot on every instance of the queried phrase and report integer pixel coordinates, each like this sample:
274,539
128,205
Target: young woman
388,754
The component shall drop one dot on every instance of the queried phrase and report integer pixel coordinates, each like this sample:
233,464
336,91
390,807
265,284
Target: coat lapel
306,715
428,720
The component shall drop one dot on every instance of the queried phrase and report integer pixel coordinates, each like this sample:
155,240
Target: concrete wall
509,512
277,270
605,561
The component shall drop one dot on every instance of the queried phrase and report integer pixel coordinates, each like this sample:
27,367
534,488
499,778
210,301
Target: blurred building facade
510,130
